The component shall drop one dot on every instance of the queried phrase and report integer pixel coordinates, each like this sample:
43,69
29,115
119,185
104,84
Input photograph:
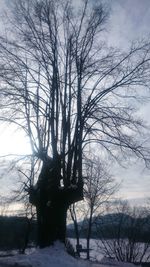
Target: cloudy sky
129,20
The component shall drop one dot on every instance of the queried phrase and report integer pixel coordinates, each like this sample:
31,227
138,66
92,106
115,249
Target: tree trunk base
51,219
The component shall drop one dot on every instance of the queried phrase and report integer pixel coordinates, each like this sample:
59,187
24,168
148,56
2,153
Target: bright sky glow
13,141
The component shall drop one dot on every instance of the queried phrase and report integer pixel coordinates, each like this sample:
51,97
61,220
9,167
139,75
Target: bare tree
98,190
127,234
74,217
64,88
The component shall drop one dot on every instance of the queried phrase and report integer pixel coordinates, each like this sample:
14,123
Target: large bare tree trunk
52,202
51,219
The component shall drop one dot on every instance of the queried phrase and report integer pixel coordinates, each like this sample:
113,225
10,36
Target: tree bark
51,220
52,202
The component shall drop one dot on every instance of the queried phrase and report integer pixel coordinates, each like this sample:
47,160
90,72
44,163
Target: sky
129,20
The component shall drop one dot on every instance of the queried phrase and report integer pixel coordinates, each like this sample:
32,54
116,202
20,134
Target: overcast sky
129,20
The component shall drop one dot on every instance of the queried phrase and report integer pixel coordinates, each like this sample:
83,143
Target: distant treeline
18,232
117,225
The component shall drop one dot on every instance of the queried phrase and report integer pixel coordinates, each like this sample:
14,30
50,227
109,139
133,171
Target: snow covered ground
97,252
55,256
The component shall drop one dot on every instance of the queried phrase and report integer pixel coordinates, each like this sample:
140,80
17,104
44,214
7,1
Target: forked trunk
52,202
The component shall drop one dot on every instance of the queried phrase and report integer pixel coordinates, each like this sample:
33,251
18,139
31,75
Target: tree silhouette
65,89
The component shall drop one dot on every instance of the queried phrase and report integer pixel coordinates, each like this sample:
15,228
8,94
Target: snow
95,246
55,256
98,253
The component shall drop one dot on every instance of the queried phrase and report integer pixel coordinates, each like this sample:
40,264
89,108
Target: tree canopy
62,85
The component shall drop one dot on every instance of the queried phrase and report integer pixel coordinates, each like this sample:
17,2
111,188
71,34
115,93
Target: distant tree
74,216
29,216
64,88
126,230
99,188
